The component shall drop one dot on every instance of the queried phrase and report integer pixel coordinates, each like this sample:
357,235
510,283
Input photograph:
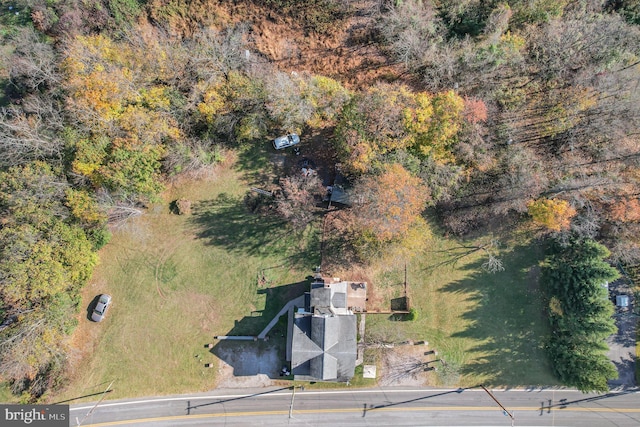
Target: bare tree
413,30
215,53
120,210
297,201
24,359
34,64
285,102
497,23
193,155
27,137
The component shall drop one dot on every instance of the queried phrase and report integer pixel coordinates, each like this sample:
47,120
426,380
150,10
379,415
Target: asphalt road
372,407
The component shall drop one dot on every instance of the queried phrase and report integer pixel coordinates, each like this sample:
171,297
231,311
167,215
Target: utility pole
96,405
293,395
405,279
406,293
506,412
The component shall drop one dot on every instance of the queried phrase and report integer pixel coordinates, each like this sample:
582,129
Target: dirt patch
316,149
405,366
83,341
356,273
349,53
376,300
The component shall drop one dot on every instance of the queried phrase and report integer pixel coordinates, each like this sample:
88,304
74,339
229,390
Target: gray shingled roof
321,297
324,347
330,299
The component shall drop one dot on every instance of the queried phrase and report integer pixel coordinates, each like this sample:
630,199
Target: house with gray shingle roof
323,333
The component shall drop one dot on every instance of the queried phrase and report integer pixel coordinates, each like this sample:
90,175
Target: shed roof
329,298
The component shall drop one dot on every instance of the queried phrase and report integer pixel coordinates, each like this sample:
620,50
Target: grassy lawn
489,328
177,281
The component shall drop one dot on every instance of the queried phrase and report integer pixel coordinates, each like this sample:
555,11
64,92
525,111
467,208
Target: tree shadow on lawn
508,322
263,165
253,357
226,222
259,162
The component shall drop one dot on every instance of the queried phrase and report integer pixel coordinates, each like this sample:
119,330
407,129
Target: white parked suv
286,141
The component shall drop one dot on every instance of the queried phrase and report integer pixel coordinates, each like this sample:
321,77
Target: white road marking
283,393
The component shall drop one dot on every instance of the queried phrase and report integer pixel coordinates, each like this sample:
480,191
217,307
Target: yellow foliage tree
212,104
114,90
233,104
326,97
84,207
388,118
434,123
374,124
553,214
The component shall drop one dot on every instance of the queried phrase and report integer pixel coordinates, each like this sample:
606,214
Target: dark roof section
324,347
338,195
321,344
321,297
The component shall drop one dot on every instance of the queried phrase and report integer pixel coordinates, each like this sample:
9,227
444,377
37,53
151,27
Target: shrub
183,207
99,237
125,12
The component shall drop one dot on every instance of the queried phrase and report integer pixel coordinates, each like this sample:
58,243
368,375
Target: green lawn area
177,281
489,328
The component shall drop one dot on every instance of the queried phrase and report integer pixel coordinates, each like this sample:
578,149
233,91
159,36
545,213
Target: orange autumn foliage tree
553,214
388,204
475,110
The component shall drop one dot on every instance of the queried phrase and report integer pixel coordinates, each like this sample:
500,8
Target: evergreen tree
580,313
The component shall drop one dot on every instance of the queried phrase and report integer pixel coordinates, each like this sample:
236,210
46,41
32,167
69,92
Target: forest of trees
504,112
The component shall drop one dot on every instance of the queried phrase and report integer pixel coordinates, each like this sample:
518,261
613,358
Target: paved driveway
622,350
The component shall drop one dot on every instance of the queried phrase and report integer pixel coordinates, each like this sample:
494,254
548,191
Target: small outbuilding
622,300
